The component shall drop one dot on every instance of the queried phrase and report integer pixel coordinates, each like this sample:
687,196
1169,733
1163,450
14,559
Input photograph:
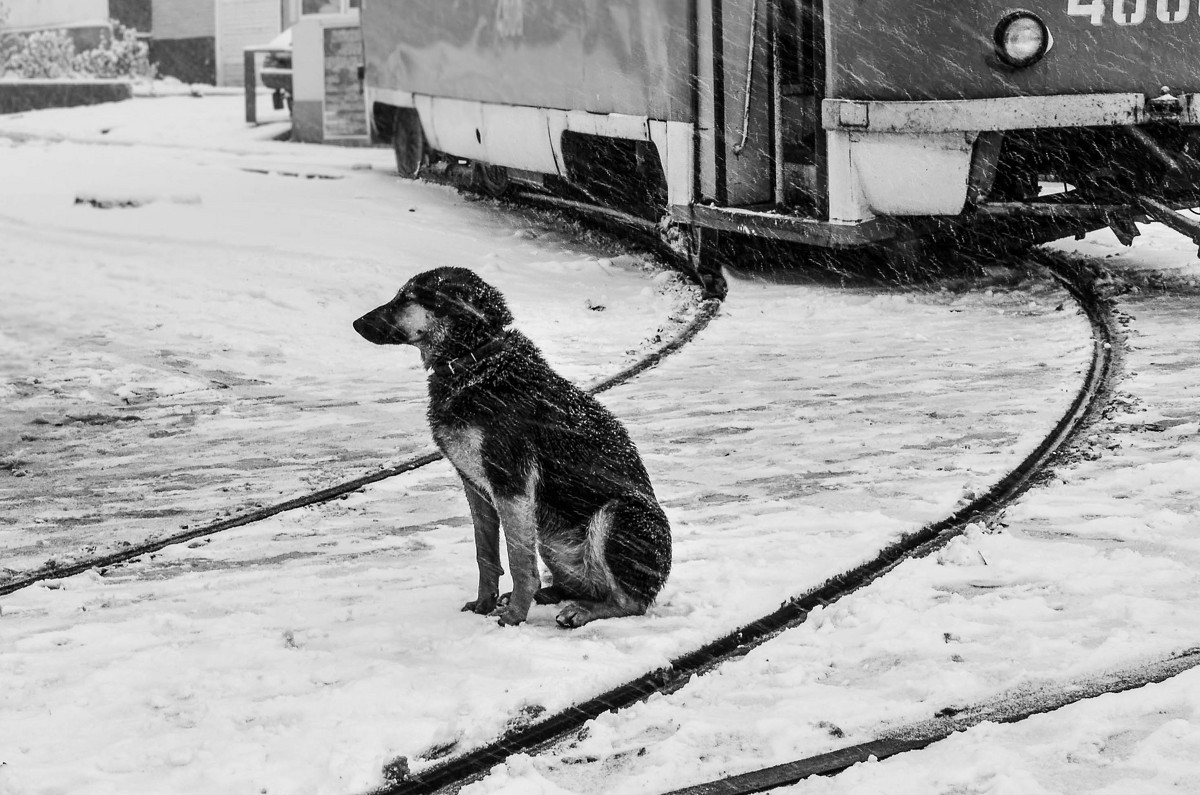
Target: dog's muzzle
373,327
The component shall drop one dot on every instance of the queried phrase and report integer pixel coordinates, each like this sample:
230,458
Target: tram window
800,46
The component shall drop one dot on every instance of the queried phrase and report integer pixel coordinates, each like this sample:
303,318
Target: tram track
418,461
1011,707
452,774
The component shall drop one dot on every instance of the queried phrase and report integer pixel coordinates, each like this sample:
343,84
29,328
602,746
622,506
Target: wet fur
538,457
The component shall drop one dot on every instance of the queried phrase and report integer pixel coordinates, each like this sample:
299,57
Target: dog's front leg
518,515
487,550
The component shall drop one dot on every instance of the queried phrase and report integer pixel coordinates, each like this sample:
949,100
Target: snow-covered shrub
8,42
51,54
120,54
8,47
45,54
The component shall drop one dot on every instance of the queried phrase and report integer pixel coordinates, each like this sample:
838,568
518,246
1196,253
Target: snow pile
171,116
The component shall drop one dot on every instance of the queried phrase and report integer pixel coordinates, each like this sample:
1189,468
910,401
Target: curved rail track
453,773
1012,708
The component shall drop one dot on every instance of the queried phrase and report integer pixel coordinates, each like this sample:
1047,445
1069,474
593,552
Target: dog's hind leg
487,550
628,558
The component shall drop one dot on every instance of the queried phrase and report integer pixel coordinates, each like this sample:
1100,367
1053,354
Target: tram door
735,114
761,66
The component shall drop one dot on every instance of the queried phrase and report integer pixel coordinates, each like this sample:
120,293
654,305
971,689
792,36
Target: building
84,20
201,41
30,15
196,41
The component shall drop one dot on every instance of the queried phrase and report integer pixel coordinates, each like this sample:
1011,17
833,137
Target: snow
1133,742
167,363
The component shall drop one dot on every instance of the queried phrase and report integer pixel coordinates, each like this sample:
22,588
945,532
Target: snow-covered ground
163,363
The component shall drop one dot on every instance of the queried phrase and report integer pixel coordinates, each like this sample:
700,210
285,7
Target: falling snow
186,352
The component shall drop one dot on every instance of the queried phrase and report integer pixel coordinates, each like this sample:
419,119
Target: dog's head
438,310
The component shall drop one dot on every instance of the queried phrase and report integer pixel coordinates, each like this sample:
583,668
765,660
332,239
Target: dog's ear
459,293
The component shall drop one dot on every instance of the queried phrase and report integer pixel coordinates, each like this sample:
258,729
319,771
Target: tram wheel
492,180
408,142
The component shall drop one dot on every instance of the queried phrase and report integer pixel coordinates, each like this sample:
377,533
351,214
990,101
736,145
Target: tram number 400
1131,12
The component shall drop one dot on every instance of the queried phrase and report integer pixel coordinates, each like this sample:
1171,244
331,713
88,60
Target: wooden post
251,82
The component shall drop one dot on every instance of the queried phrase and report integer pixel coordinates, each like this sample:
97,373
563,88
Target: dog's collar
468,362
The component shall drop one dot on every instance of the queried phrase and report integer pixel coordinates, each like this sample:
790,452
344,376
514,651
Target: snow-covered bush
51,54
8,46
45,54
8,42
120,54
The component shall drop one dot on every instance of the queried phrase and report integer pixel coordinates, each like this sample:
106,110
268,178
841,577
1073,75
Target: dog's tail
635,547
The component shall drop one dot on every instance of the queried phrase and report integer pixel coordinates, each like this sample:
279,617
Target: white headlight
1021,39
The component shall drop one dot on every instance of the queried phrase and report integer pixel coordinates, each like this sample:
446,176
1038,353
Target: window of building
328,6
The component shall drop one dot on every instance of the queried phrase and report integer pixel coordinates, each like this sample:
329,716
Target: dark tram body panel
601,56
924,50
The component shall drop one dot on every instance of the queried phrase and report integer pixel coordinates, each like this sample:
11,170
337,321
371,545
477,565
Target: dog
537,456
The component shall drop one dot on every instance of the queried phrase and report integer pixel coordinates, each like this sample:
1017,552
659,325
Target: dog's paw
483,606
573,616
509,616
